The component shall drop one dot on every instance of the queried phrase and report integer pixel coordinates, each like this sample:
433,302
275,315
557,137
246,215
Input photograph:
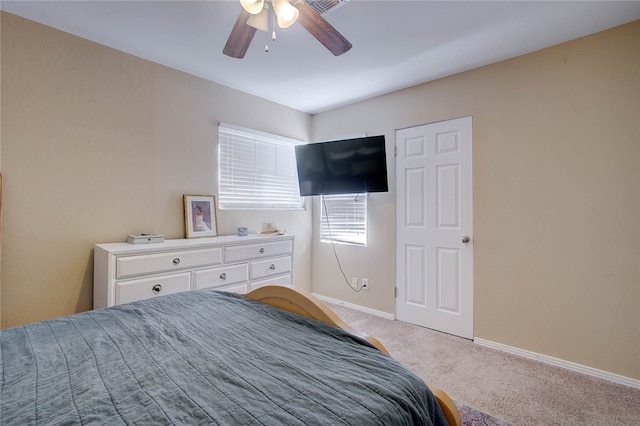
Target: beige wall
98,144
556,198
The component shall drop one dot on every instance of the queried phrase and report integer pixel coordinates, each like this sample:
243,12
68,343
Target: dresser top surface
192,243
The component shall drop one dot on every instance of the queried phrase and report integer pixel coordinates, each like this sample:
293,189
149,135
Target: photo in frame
200,219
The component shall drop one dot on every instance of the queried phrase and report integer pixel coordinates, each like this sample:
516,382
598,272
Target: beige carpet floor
515,389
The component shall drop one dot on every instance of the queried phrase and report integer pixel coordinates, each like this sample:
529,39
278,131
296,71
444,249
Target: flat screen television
348,166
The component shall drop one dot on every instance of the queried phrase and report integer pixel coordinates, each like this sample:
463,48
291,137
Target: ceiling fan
255,15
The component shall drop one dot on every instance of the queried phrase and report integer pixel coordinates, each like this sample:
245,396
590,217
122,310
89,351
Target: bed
276,355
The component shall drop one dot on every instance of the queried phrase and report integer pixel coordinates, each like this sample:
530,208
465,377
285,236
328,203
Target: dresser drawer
268,267
221,276
132,290
161,262
234,288
277,280
256,251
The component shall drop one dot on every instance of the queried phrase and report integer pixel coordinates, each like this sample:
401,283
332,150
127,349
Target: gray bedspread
202,357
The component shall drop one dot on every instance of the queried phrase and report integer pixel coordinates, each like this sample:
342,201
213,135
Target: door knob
466,239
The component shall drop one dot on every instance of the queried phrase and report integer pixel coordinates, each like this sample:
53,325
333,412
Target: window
344,218
256,170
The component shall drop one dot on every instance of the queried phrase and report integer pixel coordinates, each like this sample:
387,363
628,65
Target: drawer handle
176,261
156,289
261,250
223,276
272,267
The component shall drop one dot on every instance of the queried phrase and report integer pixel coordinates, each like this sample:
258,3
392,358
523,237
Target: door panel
447,185
415,270
415,196
448,280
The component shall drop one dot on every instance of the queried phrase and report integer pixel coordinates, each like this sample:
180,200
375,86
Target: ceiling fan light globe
260,21
252,6
285,13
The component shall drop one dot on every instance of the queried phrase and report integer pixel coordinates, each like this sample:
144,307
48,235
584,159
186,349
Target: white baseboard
616,378
355,307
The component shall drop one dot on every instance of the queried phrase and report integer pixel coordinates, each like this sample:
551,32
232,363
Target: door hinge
395,292
395,151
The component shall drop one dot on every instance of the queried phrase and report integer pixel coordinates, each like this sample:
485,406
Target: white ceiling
396,44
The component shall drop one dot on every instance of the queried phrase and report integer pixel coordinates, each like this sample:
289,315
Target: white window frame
347,219
256,170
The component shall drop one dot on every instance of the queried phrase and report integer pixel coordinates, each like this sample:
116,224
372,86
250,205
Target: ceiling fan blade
240,37
318,27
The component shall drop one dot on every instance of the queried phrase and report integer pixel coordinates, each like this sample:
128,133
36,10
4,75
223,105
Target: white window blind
257,170
344,218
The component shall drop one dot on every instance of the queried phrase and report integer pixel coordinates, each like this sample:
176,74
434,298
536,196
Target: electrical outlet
365,283
354,283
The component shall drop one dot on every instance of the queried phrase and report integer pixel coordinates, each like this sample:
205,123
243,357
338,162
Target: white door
434,226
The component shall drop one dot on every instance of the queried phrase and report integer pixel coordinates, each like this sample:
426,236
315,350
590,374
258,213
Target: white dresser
125,272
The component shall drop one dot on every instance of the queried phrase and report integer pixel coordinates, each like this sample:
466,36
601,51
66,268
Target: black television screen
348,166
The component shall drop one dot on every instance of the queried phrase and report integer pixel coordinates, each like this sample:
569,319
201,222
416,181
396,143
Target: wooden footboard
303,303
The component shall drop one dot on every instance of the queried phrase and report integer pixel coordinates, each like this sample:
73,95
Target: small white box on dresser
145,238
126,272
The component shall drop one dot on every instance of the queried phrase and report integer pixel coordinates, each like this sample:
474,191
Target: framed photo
200,218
